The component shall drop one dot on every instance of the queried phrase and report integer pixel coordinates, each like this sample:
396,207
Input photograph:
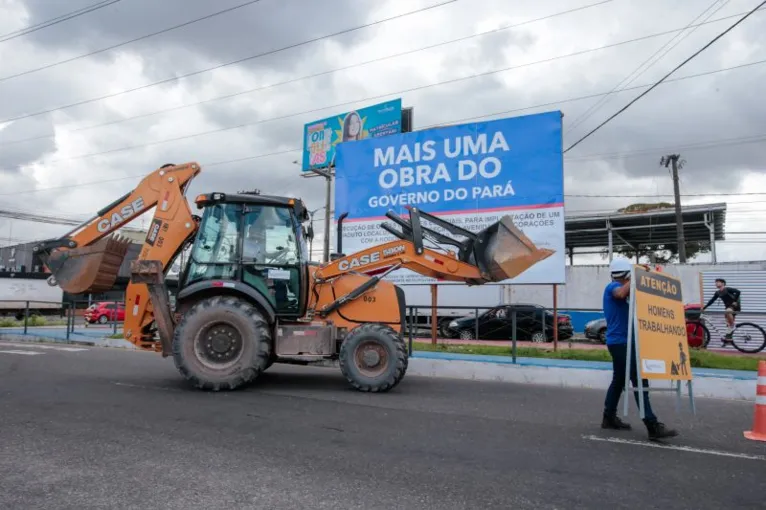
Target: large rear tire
373,358
222,343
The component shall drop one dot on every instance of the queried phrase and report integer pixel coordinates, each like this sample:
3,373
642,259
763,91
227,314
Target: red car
105,312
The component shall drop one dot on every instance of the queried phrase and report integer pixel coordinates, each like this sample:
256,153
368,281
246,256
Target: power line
55,21
365,99
315,75
581,98
638,39
288,151
739,140
658,195
743,18
233,62
636,74
258,156
147,36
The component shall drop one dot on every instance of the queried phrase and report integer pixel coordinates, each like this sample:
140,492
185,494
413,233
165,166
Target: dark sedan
497,324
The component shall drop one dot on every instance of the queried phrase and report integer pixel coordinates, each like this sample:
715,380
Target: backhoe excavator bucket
89,269
503,251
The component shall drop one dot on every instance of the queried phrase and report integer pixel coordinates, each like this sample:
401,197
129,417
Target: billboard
470,174
321,137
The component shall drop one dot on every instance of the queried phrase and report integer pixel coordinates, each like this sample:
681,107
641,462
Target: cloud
672,118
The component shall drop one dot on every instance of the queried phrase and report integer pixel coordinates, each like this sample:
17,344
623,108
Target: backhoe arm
85,260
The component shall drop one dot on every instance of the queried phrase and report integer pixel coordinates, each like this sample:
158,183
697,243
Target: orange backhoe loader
249,296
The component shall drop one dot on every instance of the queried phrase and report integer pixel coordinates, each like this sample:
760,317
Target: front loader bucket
90,269
503,251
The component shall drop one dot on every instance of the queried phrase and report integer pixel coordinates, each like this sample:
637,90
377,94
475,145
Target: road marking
25,353
678,448
52,347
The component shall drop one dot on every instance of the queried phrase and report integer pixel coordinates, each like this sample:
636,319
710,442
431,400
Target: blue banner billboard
320,138
470,174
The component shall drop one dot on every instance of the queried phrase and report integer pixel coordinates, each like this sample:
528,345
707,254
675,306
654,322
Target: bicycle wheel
748,337
697,335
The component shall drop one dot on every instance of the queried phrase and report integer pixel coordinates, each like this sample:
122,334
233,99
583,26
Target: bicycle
742,334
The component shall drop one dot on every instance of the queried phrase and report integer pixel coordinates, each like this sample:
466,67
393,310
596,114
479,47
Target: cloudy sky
68,161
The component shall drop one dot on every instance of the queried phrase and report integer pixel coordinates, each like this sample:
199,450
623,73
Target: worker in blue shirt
616,313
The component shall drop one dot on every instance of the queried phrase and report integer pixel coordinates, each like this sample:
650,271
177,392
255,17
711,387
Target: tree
661,253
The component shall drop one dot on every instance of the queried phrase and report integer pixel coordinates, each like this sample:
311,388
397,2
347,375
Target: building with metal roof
701,224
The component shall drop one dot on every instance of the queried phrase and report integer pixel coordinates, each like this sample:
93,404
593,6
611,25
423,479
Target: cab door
271,257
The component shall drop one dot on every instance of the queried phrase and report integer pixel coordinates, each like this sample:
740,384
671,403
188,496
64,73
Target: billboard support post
327,207
555,318
434,303
327,174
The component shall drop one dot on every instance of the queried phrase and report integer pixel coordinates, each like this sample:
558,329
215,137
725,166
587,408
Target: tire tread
262,350
401,358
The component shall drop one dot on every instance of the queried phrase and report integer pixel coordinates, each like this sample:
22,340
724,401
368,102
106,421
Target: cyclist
730,298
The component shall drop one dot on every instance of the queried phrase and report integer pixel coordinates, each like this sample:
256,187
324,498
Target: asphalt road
106,428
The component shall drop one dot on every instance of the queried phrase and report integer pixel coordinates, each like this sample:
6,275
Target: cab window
272,255
215,253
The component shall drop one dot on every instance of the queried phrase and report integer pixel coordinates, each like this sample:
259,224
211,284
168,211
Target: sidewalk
711,383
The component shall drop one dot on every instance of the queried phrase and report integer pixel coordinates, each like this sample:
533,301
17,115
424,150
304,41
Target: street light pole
327,174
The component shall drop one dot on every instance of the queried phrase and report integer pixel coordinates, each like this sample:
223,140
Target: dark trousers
619,354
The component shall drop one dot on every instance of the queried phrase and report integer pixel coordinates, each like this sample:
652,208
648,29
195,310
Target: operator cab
255,240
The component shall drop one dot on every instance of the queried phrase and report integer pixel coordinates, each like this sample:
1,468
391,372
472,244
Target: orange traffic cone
759,419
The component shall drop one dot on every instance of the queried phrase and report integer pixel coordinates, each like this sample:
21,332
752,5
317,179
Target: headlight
453,324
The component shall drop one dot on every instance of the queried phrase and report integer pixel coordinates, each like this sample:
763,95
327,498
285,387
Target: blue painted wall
581,318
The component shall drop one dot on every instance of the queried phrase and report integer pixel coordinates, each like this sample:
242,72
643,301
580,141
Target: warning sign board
656,336
660,325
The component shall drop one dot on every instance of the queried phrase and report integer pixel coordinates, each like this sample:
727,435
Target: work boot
613,422
658,430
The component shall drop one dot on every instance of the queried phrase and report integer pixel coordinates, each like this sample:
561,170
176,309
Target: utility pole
675,163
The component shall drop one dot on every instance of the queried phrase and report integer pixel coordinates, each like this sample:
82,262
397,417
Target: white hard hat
620,268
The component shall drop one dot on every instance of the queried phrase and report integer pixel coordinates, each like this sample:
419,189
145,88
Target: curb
708,386
114,343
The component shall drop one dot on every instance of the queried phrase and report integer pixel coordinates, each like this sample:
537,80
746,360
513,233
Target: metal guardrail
412,327
67,310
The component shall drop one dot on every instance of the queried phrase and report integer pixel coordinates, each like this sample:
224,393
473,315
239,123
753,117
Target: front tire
749,331
373,358
222,343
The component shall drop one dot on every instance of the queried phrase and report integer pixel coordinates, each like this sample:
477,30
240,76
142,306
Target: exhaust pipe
340,234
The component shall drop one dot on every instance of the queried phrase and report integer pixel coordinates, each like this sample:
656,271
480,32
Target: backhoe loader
249,296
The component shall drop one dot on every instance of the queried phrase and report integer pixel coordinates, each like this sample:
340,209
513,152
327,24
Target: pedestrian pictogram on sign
658,330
